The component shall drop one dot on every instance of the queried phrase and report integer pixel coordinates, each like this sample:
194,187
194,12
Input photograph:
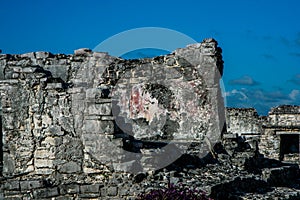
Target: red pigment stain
135,102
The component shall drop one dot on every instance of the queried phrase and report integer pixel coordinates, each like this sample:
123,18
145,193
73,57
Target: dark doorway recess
289,144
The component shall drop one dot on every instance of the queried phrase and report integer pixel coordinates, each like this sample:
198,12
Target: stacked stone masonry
84,126
63,117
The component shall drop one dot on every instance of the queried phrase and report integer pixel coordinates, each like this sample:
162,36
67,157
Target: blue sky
260,38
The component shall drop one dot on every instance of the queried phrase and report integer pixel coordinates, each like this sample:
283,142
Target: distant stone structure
243,121
280,139
277,134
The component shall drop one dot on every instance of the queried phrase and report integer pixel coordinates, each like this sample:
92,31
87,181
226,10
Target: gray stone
95,188
9,164
69,189
30,69
2,66
112,191
12,185
100,109
29,55
54,86
82,52
103,192
42,163
89,196
61,139
70,167
95,126
42,54
58,71
28,185
46,192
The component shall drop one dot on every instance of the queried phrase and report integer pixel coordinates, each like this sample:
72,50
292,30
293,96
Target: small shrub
174,193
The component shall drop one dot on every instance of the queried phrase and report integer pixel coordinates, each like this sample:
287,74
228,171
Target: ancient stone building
280,139
69,121
243,121
277,134
93,126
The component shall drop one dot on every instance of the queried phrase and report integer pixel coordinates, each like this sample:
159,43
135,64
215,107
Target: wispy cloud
295,79
285,41
245,80
294,54
260,99
297,40
267,37
294,94
237,94
269,56
291,41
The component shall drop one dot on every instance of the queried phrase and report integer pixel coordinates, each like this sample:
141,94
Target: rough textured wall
282,120
69,121
243,121
285,116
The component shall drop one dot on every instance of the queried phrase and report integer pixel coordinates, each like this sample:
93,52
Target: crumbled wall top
285,109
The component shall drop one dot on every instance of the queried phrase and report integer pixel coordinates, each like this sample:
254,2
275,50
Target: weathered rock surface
87,126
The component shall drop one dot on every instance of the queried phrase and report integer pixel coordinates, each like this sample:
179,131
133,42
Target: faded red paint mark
136,105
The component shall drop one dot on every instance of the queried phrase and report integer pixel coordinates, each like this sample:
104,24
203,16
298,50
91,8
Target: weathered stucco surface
280,139
93,126
74,118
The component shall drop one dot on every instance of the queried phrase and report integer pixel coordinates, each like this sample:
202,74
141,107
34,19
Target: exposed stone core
90,125
70,116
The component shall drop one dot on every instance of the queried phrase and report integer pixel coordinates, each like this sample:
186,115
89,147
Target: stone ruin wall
51,106
274,134
243,121
281,121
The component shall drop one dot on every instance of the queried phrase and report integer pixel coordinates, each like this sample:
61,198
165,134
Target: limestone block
8,164
82,52
41,153
89,170
2,66
40,163
69,189
46,120
43,171
95,126
27,185
112,191
30,69
51,141
90,188
28,169
28,55
54,86
42,54
58,71
12,185
99,109
45,193
70,167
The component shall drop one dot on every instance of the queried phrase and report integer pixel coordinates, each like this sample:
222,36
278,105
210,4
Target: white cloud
294,94
245,80
260,99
